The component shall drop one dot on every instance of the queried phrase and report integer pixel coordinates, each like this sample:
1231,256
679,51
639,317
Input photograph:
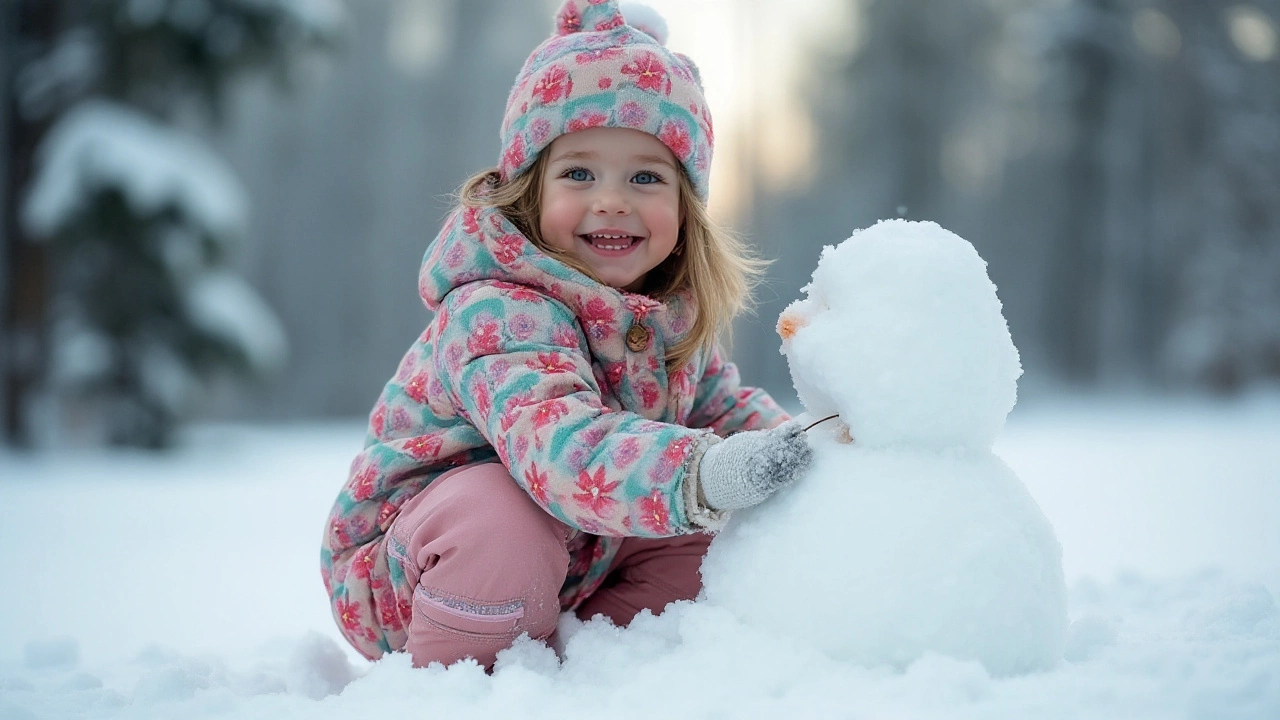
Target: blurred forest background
217,208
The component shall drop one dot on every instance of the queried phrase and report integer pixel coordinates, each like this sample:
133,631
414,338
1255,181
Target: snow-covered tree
1153,190
351,182
1224,195
140,218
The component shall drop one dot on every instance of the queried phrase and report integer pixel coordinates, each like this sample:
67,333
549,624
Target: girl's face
611,198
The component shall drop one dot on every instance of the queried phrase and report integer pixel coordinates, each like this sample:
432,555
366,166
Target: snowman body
907,535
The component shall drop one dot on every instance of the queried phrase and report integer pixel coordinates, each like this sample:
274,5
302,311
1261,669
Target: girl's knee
457,617
497,517
490,566
481,513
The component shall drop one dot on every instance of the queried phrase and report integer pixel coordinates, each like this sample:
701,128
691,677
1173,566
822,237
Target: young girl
552,441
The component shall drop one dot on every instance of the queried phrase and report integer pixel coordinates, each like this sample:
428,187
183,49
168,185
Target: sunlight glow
751,54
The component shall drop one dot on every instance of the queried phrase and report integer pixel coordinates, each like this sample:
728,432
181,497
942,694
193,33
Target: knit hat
599,71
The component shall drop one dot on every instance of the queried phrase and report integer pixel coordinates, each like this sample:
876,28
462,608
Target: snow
226,307
186,585
908,575
910,537
899,554
165,377
79,354
66,71
1164,488
905,339
99,145
320,17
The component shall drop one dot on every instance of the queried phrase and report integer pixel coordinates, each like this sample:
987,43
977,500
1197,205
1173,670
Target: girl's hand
750,466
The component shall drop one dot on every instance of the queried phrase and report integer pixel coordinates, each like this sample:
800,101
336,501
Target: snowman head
901,334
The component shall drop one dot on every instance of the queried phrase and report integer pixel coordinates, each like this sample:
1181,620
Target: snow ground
187,586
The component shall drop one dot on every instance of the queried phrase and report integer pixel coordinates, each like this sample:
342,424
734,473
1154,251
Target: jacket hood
481,244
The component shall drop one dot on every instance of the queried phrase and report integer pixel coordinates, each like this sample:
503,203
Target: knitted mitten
748,467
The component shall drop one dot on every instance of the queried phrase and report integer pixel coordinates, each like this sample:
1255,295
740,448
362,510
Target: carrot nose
789,324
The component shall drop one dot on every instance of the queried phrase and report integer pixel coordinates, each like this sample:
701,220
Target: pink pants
487,564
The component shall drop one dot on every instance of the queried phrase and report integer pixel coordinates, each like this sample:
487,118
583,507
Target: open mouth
610,241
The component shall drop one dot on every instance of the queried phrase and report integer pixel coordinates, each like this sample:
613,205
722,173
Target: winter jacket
560,378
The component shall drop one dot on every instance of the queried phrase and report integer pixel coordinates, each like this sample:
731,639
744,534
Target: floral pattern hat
600,69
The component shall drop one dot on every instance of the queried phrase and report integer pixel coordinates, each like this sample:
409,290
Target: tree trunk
1079,251
29,28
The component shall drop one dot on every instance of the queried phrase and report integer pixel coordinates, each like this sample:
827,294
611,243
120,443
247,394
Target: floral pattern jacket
564,381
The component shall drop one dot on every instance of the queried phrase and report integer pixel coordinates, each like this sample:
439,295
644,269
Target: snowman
907,535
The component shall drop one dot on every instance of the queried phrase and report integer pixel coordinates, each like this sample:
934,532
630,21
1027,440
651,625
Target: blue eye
646,178
577,174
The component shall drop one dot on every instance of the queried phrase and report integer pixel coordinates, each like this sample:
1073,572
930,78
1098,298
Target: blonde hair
715,265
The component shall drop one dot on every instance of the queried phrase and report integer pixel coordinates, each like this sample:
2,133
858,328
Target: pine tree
138,217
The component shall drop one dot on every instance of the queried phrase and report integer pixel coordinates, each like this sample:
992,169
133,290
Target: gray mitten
748,467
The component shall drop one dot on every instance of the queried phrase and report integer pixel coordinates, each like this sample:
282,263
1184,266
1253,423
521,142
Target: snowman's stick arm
844,436
819,422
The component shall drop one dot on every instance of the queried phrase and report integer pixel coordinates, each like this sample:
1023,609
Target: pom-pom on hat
604,68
